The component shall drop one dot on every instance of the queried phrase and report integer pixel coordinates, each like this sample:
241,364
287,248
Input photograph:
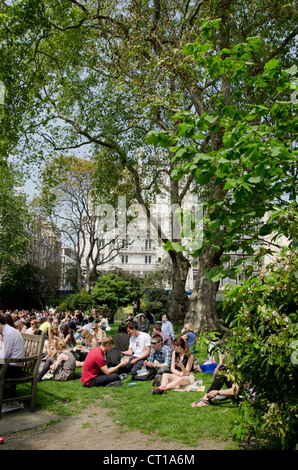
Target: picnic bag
149,376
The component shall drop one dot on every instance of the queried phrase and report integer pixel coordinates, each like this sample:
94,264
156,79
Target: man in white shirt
12,345
103,323
139,347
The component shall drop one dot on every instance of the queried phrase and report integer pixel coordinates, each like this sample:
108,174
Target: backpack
113,357
149,376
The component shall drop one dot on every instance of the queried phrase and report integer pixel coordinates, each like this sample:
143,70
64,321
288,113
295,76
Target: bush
265,333
79,301
155,300
112,290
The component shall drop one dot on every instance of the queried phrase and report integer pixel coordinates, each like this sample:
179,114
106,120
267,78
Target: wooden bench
34,345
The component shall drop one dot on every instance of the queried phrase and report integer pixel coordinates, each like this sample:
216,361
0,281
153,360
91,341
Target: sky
30,189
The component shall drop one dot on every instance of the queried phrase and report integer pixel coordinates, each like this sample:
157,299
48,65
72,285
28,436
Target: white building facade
137,248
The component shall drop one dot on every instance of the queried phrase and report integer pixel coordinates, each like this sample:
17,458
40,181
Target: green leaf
272,64
177,247
204,177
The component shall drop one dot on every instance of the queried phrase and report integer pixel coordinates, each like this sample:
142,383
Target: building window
147,244
147,259
124,244
124,259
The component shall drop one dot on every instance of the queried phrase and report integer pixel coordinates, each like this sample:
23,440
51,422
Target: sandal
157,391
204,401
157,381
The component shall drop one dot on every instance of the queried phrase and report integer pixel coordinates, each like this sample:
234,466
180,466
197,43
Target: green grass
169,416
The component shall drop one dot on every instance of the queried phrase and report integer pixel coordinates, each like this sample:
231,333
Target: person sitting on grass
138,350
103,323
181,368
189,336
81,351
156,329
97,332
95,371
143,323
66,334
51,343
89,341
64,367
11,345
215,388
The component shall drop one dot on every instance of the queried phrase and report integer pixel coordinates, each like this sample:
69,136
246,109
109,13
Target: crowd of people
141,346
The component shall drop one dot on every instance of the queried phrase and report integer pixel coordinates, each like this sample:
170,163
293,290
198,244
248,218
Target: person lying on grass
215,388
181,368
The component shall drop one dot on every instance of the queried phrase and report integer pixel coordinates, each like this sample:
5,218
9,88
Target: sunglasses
157,342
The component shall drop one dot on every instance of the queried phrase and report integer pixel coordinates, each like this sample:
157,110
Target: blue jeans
132,368
137,366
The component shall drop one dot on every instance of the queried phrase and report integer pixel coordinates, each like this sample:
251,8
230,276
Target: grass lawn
169,416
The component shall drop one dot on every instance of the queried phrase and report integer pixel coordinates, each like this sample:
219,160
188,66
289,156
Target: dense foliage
255,170
29,286
77,301
264,351
113,291
14,217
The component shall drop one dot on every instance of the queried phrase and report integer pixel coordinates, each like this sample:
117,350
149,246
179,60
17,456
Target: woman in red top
95,371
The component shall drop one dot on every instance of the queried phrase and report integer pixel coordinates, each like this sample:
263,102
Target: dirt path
94,429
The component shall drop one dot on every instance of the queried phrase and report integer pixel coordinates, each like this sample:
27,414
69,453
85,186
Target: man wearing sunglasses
160,356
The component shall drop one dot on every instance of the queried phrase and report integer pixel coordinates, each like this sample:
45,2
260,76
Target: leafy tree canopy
14,217
255,170
110,289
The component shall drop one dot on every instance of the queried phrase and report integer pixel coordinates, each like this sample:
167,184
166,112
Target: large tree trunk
178,300
87,286
202,308
79,276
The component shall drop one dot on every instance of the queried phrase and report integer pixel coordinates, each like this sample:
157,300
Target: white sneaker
47,376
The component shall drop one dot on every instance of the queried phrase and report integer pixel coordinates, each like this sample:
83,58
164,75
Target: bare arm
61,358
105,370
186,370
128,352
219,366
173,365
229,392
